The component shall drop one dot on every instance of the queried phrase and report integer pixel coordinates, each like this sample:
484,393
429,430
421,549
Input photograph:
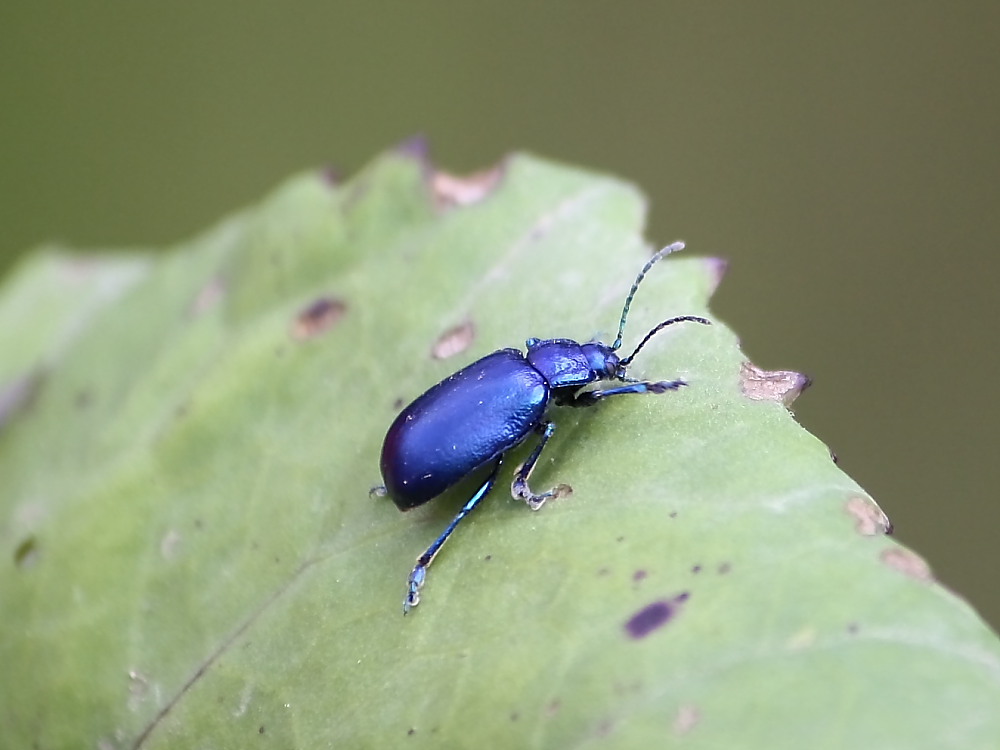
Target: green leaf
188,439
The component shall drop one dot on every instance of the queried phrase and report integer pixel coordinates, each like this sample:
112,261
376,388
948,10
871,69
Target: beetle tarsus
519,487
415,583
665,385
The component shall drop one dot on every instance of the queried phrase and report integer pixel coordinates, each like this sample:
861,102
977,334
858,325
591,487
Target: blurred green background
843,157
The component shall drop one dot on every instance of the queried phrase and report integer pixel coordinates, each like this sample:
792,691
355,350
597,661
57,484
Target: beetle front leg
519,487
589,398
419,574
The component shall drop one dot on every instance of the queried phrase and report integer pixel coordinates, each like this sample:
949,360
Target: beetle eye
612,365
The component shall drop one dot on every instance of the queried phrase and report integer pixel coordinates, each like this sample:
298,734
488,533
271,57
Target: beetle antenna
672,248
681,319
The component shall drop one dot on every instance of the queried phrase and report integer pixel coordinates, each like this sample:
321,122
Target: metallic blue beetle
469,420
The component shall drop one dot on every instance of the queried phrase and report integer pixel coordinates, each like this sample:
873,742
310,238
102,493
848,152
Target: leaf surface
187,443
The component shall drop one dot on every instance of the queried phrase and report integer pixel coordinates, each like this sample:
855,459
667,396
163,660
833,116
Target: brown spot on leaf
454,341
317,317
717,268
771,385
907,562
869,518
26,553
654,616
452,190
802,639
687,719
18,395
169,544
208,296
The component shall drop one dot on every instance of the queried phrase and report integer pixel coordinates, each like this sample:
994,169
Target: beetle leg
519,487
419,574
589,398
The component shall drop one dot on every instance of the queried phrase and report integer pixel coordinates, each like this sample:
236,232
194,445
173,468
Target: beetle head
602,360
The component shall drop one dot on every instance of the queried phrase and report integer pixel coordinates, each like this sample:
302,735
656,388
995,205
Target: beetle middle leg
419,574
519,487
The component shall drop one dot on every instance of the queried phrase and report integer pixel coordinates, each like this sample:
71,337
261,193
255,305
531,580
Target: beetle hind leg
419,574
519,487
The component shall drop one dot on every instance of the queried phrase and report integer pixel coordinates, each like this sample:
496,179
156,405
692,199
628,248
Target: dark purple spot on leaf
331,175
654,616
415,146
410,732
260,729
725,568
696,569
639,575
